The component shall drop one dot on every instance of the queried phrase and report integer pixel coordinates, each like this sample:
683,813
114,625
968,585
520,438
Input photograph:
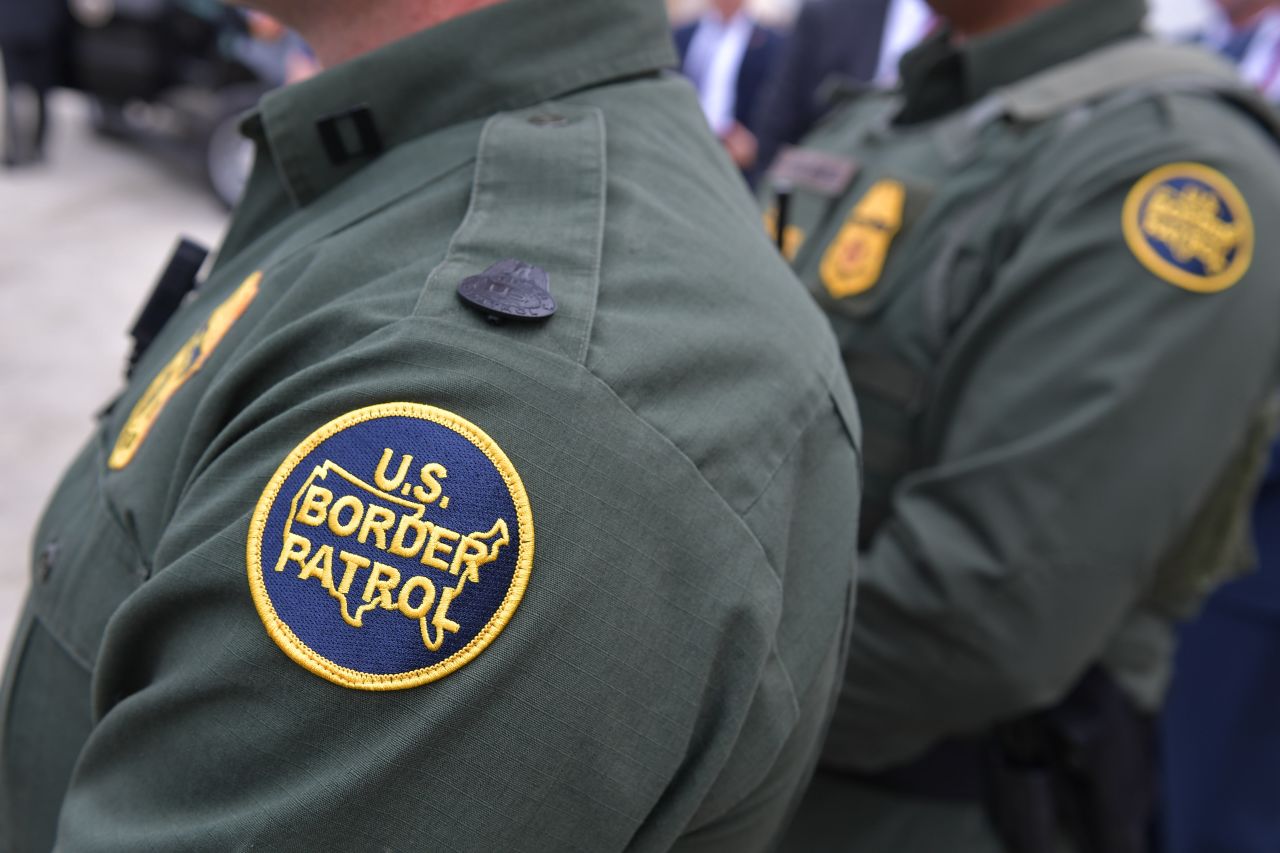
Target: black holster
1098,753
1084,770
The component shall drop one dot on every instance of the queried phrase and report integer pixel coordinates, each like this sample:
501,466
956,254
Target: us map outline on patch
375,578
473,550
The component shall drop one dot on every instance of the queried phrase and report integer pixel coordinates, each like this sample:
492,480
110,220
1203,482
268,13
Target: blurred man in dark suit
728,56
859,41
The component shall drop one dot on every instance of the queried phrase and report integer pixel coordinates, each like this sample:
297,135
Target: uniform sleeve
600,717
1090,404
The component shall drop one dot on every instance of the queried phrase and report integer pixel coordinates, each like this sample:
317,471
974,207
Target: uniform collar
941,76
507,56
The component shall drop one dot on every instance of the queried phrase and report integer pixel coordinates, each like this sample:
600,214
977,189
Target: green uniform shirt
288,597
1060,330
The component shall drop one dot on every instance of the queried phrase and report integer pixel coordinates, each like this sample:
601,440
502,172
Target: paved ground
81,240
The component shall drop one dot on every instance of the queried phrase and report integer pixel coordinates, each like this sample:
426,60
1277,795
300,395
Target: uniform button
44,565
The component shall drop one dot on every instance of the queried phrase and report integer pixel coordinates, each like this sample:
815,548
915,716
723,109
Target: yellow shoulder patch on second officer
855,259
1189,225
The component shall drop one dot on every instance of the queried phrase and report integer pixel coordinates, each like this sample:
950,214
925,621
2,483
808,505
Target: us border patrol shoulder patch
1189,225
390,547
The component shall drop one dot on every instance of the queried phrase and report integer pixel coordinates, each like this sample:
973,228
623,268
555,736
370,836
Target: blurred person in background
278,54
728,55
834,42
1220,729
33,49
1047,258
1247,33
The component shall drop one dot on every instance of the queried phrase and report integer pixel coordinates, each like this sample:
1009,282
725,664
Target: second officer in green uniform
1048,263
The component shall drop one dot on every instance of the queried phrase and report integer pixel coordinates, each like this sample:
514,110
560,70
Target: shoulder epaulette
535,219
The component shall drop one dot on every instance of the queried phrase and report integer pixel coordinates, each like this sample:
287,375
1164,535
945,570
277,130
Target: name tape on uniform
390,547
1190,226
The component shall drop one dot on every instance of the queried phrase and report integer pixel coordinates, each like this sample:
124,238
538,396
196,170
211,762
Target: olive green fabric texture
1044,415
839,812
682,426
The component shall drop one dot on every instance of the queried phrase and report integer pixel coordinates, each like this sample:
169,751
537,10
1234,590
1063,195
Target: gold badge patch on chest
184,364
390,547
856,257
1189,225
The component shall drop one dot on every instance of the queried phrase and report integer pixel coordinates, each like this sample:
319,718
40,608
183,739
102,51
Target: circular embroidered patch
390,547
1188,224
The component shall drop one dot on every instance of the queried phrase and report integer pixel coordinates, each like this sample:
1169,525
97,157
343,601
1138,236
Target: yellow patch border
1137,239
302,654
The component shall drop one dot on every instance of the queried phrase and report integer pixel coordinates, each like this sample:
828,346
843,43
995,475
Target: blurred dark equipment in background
32,43
168,74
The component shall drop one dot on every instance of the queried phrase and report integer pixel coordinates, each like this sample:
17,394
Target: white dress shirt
1260,63
712,63
906,24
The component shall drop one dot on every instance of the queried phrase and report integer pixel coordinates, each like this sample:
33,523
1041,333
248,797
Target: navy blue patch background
389,642
1225,214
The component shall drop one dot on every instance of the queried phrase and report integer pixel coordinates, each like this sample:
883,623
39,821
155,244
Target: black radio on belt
177,280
